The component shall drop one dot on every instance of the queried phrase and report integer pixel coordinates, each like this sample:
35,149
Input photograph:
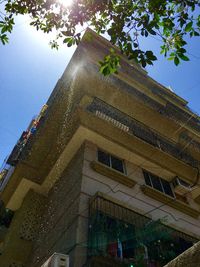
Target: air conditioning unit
180,186
57,260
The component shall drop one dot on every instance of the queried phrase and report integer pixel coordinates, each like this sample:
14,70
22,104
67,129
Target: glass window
158,183
111,161
167,188
117,164
103,158
147,179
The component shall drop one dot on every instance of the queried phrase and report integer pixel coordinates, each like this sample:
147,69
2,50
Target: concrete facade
57,173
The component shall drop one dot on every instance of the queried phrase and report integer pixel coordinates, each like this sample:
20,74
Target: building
190,257
108,173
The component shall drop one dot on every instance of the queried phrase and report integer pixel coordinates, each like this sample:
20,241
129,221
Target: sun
66,3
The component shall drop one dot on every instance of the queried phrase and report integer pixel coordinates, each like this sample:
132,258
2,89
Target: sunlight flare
66,3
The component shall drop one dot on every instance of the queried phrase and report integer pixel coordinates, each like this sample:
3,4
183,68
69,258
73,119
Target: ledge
113,174
172,202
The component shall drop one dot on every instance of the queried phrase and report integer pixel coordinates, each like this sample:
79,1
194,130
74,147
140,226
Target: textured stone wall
190,258
32,216
22,232
59,225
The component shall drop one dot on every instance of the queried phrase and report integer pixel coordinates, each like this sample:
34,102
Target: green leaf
69,41
143,62
151,31
66,40
150,55
176,60
4,29
188,27
4,39
183,57
196,33
125,21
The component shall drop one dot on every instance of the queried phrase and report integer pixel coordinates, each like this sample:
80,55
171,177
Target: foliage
125,21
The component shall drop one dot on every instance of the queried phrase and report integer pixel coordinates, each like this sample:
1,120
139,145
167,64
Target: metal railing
25,141
111,224
140,130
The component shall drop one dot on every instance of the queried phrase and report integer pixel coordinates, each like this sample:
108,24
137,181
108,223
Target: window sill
113,174
172,202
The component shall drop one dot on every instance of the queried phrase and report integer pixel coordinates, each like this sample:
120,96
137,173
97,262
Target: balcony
172,111
141,131
187,140
119,236
16,152
5,175
25,141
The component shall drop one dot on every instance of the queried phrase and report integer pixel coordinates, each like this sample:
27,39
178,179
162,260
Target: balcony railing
26,139
189,141
119,236
128,124
5,175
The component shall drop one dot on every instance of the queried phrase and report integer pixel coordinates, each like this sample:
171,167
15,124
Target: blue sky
30,70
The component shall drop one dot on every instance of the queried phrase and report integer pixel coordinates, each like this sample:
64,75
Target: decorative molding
172,202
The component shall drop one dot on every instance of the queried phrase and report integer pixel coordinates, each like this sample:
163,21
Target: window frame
110,161
145,173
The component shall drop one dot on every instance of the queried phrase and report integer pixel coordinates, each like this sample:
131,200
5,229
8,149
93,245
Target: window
158,183
111,161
